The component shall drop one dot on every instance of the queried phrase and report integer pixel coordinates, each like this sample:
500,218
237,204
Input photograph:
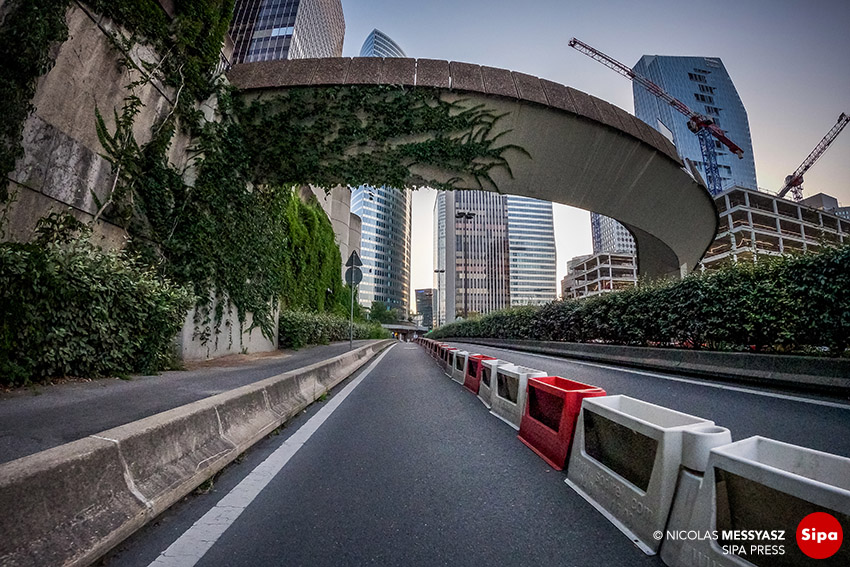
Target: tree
380,313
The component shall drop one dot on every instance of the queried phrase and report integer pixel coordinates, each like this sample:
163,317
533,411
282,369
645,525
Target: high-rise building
472,254
705,86
379,44
600,273
386,214
266,30
531,249
425,306
610,236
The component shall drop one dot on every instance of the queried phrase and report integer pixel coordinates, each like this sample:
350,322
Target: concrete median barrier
71,504
625,462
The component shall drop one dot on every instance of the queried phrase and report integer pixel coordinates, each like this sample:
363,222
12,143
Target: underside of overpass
577,150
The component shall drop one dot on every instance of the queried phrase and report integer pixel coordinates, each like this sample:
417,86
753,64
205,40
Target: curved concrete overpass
584,152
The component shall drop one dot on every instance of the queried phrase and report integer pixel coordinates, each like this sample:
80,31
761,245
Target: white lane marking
685,380
190,547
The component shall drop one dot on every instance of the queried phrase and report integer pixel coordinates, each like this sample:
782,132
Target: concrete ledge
825,375
71,504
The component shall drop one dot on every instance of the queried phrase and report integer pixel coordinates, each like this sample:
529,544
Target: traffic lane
413,470
55,415
801,420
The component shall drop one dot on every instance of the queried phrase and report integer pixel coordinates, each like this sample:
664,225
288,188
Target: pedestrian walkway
42,417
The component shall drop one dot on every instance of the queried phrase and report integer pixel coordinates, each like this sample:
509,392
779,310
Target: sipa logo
819,535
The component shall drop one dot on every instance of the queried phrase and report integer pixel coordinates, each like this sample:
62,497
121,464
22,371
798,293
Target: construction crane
701,125
794,182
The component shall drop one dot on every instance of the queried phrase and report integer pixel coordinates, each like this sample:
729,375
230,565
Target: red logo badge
819,535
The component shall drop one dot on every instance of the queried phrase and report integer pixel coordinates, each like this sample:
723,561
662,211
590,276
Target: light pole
465,216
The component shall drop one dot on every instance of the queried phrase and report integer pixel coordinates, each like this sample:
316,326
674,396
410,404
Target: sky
789,60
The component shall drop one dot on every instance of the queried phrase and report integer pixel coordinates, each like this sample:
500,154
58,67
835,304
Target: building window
712,110
704,98
697,78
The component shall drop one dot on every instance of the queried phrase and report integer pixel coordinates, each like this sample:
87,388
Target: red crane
701,125
794,182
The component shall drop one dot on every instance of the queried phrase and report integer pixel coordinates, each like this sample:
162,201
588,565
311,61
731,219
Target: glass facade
267,30
705,86
385,236
531,245
425,306
379,44
610,236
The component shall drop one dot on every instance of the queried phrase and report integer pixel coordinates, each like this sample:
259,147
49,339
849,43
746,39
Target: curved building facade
379,44
386,214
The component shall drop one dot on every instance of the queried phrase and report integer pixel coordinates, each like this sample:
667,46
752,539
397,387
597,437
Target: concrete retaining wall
829,375
71,504
231,338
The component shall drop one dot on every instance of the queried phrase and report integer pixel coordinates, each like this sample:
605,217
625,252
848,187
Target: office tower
379,44
705,86
425,306
472,254
266,30
531,247
386,214
610,236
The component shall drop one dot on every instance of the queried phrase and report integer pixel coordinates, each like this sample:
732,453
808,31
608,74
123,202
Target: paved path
410,469
402,466
42,417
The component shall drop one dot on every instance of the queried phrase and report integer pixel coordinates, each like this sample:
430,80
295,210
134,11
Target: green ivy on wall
28,31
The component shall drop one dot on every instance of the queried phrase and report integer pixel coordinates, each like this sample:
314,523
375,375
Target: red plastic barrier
549,419
472,380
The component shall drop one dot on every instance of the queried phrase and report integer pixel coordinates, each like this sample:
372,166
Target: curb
822,375
71,504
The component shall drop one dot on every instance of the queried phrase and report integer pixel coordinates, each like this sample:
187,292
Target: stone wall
62,168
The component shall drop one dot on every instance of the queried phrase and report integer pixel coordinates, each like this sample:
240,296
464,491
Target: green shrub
301,328
780,304
67,308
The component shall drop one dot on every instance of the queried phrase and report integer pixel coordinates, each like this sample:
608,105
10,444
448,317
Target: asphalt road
411,469
41,417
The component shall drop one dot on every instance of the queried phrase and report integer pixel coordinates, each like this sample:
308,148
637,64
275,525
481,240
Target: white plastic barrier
760,485
488,379
459,367
449,362
510,388
625,461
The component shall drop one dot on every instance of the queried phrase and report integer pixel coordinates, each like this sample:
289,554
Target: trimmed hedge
67,308
780,304
301,328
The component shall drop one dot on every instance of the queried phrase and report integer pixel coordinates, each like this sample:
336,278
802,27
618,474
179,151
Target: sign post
353,276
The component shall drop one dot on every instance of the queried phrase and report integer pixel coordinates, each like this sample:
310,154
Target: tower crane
794,182
701,125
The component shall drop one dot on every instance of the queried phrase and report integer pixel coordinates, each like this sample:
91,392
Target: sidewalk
36,419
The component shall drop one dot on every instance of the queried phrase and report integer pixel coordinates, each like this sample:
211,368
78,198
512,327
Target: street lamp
465,216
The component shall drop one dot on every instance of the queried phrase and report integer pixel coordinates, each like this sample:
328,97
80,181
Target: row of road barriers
674,483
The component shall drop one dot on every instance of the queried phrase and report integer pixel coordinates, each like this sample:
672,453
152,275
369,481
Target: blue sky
788,59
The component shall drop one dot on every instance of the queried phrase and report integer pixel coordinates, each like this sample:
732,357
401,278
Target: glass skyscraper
705,86
472,255
267,30
379,44
610,236
386,214
531,246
